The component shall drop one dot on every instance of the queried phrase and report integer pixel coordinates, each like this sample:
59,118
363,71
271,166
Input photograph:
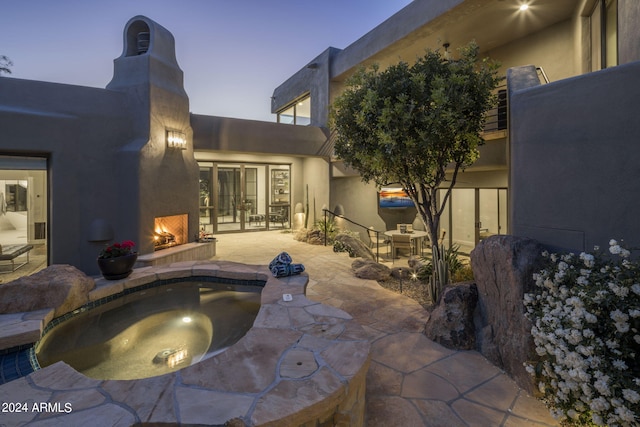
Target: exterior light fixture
176,139
524,7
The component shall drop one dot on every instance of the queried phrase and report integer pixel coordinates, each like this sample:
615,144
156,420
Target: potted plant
116,260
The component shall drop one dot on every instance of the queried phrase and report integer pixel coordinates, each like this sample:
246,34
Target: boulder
61,287
357,248
311,236
503,268
451,321
369,269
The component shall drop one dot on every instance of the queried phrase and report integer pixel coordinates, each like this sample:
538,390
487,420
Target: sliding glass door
473,214
243,197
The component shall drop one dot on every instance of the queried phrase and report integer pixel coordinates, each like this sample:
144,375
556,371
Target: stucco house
540,171
80,167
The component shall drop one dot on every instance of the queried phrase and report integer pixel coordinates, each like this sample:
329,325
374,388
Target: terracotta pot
117,268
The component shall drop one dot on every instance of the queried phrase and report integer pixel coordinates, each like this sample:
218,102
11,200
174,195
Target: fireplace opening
170,231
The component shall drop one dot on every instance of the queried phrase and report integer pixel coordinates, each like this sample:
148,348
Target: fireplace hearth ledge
195,251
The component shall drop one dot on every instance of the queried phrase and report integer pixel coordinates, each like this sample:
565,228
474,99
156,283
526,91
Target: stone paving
302,363
412,381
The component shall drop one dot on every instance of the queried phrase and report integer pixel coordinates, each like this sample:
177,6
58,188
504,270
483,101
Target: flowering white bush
586,321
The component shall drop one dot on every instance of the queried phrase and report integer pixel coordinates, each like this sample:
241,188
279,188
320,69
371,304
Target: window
297,113
604,34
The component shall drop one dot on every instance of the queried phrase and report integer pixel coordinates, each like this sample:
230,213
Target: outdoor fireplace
170,231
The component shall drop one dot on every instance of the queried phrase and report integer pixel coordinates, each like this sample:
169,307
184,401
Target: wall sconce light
176,139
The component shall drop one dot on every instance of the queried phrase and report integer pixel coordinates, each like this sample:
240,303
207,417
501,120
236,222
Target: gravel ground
414,289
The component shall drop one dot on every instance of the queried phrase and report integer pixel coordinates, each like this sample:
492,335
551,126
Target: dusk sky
233,53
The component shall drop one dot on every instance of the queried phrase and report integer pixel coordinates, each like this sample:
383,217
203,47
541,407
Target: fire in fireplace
170,231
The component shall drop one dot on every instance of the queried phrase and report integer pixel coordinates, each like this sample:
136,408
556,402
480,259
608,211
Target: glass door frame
502,213
263,185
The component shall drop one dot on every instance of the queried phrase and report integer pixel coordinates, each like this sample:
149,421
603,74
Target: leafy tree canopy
411,124
5,63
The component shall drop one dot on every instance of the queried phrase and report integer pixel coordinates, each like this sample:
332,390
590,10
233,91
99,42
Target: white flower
599,405
618,316
597,419
572,414
583,358
588,259
631,395
622,327
542,386
590,318
621,291
625,414
620,365
612,344
602,385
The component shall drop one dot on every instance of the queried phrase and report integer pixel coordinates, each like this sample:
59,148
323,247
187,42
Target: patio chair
377,239
277,216
401,241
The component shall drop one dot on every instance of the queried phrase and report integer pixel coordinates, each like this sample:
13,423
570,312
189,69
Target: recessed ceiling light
524,7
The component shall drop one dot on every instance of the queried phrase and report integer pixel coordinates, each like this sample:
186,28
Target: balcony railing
497,117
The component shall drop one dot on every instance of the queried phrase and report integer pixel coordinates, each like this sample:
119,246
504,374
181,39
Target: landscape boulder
356,247
503,268
61,287
312,236
451,321
369,269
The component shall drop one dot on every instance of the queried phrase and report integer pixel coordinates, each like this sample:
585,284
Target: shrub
328,228
464,274
451,259
586,316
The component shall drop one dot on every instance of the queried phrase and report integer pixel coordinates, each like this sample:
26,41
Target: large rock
369,269
451,321
311,236
358,249
503,268
61,287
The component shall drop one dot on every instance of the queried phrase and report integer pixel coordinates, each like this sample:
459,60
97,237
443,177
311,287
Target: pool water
152,332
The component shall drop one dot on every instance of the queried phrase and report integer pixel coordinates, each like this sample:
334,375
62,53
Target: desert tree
416,125
5,63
